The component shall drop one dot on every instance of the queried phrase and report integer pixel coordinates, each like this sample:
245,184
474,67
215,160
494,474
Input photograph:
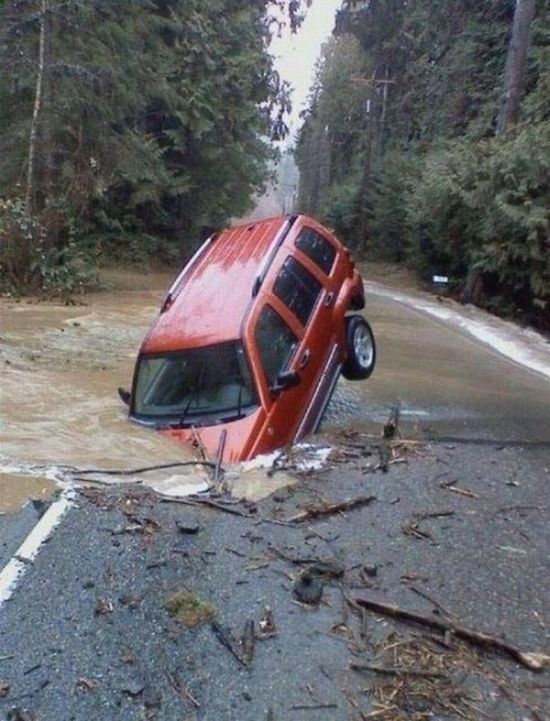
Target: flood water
446,381
61,366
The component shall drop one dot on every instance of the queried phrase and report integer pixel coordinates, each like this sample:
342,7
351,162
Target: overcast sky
296,54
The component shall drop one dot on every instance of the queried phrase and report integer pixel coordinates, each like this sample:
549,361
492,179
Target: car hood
239,437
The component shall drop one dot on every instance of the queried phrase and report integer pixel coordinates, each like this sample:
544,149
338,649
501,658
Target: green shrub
483,208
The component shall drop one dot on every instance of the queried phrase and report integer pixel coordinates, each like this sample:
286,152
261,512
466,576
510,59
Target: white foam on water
302,457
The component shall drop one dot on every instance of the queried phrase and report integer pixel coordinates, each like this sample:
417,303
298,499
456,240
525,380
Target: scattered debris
181,688
329,567
219,456
130,601
103,607
19,714
197,502
394,671
248,642
391,428
385,457
371,571
226,641
331,509
533,661
4,689
144,525
414,681
412,527
86,684
450,486
190,529
267,628
436,604
189,609
308,588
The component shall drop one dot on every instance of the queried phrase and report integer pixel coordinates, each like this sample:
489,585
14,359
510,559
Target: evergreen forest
130,128
427,141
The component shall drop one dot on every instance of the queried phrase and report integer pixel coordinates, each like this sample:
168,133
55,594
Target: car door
274,342
304,301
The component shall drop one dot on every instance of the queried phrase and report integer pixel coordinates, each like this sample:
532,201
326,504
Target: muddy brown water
61,366
447,382
59,406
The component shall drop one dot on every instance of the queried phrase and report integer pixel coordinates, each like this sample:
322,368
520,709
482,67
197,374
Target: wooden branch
181,689
533,661
226,642
206,502
394,670
321,511
248,642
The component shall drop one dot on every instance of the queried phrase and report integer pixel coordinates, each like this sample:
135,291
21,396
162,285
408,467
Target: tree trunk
516,65
36,108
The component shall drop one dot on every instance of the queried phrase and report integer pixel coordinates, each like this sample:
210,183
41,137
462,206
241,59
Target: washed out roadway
86,634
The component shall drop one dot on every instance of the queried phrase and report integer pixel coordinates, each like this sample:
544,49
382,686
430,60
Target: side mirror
285,380
125,396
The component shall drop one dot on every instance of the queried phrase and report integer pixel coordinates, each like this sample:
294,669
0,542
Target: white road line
28,550
523,346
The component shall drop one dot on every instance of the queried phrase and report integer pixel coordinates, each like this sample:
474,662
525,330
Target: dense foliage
129,127
406,111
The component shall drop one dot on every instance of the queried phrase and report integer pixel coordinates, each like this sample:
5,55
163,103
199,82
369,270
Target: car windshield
210,383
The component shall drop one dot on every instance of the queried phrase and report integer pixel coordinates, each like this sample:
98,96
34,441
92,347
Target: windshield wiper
239,413
194,397
183,416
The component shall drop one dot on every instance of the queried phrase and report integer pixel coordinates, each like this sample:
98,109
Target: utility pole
516,65
370,127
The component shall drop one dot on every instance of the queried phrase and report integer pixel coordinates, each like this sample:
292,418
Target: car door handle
329,298
304,360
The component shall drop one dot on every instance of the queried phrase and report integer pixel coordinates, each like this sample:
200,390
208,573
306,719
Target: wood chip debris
532,660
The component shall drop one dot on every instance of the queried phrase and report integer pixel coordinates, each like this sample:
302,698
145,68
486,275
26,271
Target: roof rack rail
176,287
271,257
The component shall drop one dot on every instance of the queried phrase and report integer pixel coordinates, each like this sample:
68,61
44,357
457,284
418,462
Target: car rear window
276,343
317,248
297,288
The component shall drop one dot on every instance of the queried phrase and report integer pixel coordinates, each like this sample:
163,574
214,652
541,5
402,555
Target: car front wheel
361,349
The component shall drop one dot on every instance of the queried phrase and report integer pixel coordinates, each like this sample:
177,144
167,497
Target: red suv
251,339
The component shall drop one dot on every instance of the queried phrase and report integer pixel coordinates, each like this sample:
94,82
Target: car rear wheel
361,349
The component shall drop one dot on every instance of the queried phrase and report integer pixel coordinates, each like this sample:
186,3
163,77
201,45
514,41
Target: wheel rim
363,347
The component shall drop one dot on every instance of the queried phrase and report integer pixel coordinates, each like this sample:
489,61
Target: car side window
317,248
276,343
297,288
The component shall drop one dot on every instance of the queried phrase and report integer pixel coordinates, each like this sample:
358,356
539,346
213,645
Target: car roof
207,302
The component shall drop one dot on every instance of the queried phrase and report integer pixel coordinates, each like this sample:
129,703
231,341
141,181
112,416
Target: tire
361,359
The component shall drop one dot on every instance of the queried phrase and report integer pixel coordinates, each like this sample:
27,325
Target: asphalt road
88,635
